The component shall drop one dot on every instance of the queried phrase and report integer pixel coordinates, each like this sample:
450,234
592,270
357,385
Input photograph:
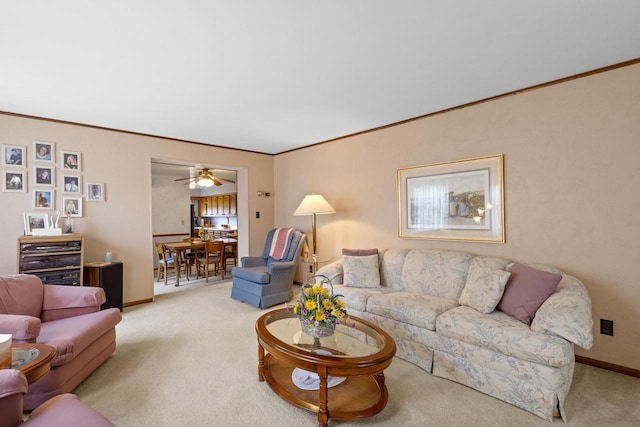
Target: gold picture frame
460,200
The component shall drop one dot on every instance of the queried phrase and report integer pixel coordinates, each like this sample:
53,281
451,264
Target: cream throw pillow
484,288
361,271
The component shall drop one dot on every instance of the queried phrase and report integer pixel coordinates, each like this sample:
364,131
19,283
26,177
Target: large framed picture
14,181
14,156
460,200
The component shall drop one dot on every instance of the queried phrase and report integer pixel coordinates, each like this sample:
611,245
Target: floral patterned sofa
464,317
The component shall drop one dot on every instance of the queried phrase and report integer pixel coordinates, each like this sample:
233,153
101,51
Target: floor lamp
314,204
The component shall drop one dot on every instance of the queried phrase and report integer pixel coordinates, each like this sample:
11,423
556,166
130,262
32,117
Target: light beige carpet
190,359
159,288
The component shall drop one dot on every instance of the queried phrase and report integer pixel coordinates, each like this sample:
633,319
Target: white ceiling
270,76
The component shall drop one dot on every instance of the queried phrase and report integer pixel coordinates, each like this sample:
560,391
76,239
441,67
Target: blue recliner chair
266,281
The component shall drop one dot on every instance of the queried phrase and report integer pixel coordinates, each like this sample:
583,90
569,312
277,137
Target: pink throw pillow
359,252
526,290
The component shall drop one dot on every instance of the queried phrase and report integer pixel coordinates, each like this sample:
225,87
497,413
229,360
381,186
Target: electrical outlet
606,327
311,269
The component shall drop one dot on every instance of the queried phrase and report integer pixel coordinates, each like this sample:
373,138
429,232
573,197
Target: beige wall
123,223
571,177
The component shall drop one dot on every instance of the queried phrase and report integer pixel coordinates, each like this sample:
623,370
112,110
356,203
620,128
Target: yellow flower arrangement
318,309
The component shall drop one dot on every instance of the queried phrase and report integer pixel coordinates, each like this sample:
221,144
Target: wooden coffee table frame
363,394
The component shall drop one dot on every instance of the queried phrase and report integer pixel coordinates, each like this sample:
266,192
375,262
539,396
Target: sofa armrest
252,261
23,328
13,386
333,271
63,301
567,313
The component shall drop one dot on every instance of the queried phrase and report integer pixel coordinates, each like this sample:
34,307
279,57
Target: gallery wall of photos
43,170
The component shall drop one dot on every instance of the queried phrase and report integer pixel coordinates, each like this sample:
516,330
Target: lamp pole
314,254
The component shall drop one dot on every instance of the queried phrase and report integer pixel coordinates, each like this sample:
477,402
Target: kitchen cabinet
233,205
56,260
225,205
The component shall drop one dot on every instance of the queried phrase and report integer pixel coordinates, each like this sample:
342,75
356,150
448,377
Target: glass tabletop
355,339
22,356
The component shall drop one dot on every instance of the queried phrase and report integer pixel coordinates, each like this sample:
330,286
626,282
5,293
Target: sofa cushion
355,298
361,271
21,294
526,290
66,410
391,264
484,288
72,335
502,333
253,274
410,307
438,273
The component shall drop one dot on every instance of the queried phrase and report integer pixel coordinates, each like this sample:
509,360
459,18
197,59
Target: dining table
178,249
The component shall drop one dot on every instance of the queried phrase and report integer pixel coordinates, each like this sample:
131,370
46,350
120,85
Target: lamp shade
314,204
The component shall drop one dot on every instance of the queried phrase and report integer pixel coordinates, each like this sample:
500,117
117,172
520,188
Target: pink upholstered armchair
65,410
67,318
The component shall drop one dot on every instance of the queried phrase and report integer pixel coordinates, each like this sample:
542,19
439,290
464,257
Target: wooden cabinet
233,205
218,205
223,205
56,260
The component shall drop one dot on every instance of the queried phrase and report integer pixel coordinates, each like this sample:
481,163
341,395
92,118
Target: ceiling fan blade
182,179
225,179
216,182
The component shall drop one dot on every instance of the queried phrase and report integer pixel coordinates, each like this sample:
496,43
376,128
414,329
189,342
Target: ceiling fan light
204,181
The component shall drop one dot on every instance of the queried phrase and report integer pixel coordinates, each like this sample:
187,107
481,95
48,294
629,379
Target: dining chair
210,254
230,254
190,256
165,260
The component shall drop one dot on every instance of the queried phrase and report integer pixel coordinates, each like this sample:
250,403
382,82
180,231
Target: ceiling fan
205,178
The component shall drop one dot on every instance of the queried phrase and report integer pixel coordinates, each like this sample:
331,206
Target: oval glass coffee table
340,376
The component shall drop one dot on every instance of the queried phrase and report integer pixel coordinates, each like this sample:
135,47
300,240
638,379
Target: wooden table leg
176,265
260,363
323,411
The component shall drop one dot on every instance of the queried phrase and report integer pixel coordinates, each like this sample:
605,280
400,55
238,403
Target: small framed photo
71,184
43,199
95,192
71,160
33,220
14,156
72,206
45,175
14,181
44,152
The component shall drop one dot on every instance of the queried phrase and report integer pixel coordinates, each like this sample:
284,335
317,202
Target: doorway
174,185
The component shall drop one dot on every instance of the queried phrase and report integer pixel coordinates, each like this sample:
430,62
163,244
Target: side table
108,276
33,360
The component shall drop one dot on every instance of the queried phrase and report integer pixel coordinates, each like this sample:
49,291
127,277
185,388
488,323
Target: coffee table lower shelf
357,397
